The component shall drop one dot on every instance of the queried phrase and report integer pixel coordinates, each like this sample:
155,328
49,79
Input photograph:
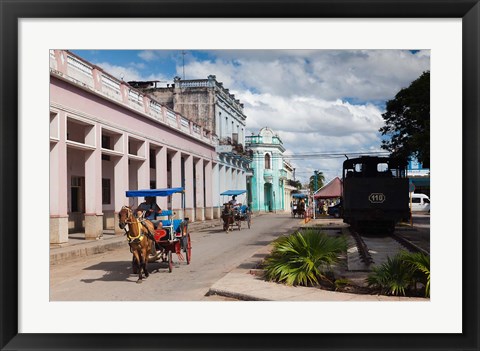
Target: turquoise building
266,186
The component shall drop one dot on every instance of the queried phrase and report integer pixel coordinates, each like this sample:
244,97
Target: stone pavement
242,283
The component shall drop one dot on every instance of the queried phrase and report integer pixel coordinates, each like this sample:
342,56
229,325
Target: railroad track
368,251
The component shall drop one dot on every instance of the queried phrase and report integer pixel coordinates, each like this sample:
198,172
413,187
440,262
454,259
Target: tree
320,180
296,183
407,122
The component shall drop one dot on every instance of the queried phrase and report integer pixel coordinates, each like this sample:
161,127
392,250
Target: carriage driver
233,201
150,207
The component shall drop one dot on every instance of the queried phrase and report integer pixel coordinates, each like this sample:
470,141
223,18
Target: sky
323,104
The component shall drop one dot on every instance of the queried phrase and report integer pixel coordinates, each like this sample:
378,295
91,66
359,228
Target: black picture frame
12,11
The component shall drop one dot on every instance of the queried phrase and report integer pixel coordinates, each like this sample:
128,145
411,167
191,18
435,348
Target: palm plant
392,277
401,273
303,257
420,265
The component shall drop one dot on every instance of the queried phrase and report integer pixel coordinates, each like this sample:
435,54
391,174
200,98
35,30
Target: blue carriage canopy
233,192
153,192
299,196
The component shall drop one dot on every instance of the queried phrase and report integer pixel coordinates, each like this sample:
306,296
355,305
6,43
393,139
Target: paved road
108,276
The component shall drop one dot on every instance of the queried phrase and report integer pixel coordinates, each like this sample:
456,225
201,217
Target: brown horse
138,239
228,216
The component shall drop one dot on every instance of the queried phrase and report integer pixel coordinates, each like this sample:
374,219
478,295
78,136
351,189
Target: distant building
207,103
269,185
419,176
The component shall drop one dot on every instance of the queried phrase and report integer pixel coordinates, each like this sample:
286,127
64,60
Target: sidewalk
77,246
243,282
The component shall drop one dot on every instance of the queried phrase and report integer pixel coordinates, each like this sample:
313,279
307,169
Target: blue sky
318,101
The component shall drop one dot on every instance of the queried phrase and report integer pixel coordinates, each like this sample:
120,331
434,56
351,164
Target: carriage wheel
170,261
188,248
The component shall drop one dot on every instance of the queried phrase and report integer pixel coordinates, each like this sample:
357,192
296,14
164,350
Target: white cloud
147,55
316,100
129,73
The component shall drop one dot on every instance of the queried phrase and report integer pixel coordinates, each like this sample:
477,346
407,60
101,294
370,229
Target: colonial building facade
209,104
269,184
107,137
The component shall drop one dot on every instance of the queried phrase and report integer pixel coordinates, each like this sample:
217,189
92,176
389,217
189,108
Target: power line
324,155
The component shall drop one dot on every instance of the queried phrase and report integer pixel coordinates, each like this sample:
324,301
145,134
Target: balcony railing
77,71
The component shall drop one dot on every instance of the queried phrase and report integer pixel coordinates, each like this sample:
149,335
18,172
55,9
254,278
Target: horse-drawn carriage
233,215
298,205
173,237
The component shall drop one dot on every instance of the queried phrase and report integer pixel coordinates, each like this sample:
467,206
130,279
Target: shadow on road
119,271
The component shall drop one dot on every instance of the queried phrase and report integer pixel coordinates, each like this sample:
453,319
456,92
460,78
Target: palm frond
298,259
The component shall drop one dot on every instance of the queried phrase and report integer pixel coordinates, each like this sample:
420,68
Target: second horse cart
234,215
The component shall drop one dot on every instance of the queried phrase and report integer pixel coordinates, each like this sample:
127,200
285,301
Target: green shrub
420,265
401,274
341,283
302,258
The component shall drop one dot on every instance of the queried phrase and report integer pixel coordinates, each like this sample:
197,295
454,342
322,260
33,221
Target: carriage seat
165,213
169,223
243,209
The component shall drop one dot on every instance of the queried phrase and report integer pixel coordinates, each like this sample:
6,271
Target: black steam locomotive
375,193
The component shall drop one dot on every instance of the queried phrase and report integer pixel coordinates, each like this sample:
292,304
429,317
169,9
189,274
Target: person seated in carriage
234,202
149,209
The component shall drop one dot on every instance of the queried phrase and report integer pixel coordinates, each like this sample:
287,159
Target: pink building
107,137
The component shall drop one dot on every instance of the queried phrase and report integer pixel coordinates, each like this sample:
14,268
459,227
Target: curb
70,252
82,250
238,296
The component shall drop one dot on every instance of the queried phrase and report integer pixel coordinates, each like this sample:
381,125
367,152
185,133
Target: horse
138,240
228,216
299,209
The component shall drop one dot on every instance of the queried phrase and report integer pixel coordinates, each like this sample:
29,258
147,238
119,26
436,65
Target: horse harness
138,238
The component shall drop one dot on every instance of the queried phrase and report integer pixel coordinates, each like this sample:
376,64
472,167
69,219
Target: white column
222,186
176,169
189,205
208,190
216,190
228,178
120,170
144,168
199,190
161,175
59,186
93,187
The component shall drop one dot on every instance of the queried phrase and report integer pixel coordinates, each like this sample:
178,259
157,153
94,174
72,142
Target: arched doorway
267,197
